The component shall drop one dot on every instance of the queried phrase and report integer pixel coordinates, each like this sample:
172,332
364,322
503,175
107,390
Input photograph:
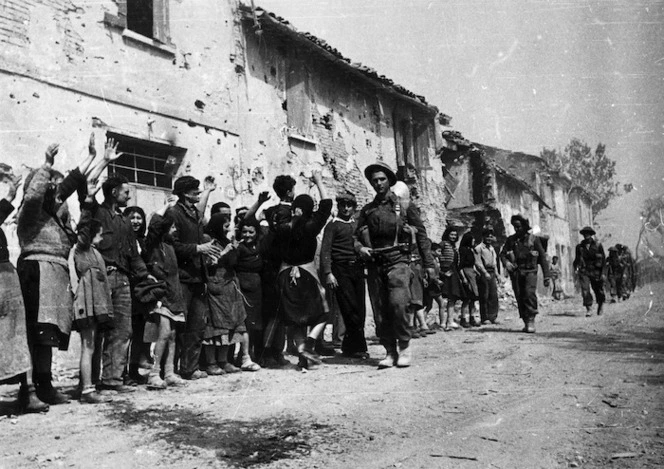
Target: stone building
492,184
221,89
312,107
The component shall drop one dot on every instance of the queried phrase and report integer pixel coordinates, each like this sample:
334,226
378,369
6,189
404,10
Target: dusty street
582,392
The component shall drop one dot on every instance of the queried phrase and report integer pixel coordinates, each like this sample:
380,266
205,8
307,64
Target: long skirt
48,299
15,356
227,311
301,297
472,292
452,287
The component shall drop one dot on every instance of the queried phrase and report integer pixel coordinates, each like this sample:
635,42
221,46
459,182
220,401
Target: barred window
146,162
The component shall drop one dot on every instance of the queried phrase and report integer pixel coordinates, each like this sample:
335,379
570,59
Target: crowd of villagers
179,295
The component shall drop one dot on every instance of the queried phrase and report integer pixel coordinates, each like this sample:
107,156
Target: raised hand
51,151
209,184
263,197
110,150
316,176
93,187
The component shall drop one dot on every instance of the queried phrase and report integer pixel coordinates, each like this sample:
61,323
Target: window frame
176,152
160,39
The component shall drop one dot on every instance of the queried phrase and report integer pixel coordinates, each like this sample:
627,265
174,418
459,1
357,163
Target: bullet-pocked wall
307,112
71,68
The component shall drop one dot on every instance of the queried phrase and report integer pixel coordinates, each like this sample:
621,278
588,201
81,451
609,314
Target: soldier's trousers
524,285
596,284
389,292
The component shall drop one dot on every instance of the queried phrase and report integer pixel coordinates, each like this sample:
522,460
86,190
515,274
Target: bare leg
247,362
88,339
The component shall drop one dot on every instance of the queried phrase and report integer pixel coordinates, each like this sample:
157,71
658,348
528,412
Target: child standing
249,268
557,289
162,264
227,312
452,288
433,290
93,307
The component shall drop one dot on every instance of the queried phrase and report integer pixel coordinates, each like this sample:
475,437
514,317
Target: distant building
492,184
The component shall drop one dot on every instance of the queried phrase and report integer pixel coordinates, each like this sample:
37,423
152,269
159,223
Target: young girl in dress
468,278
93,307
169,311
227,312
249,268
433,291
449,271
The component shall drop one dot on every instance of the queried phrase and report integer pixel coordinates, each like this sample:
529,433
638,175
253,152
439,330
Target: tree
652,221
594,172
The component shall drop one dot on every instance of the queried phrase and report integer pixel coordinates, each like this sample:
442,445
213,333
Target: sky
521,74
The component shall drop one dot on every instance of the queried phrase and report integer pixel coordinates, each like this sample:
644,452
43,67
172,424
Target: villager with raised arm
46,237
15,358
302,300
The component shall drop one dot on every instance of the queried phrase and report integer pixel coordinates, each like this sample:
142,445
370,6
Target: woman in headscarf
15,357
227,312
139,352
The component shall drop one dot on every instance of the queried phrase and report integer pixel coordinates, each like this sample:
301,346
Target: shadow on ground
627,345
238,443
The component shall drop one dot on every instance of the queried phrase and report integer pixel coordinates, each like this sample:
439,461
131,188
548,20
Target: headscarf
136,209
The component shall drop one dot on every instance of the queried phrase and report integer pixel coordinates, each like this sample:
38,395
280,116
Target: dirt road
582,392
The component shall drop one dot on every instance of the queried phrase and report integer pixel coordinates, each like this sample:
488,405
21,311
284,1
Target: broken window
422,144
298,103
412,142
146,162
149,18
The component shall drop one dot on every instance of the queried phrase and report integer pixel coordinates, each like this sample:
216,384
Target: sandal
250,366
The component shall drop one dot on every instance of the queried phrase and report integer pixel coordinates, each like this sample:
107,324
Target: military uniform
589,263
525,253
380,226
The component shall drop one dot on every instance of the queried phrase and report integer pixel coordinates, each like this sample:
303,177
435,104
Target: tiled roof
268,19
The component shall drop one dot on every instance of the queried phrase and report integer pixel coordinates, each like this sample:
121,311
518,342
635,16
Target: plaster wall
352,127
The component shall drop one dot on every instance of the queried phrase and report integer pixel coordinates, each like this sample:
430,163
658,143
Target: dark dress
302,297
467,265
249,267
449,272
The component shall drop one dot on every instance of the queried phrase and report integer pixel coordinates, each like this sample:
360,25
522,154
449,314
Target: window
140,17
298,103
147,18
413,141
146,162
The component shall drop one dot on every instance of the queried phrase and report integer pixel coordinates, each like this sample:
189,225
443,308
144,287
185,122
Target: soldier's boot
600,309
405,354
530,325
588,313
391,357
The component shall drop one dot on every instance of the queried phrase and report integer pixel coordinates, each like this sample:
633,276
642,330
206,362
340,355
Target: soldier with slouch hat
589,264
382,240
